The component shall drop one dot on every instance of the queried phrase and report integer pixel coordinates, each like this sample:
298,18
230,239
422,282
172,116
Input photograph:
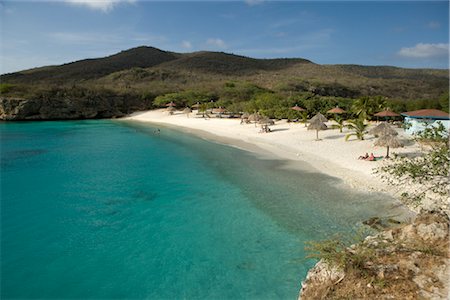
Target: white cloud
423,50
186,45
216,43
102,5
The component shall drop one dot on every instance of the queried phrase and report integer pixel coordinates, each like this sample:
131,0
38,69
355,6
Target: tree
429,172
443,101
366,106
304,116
361,107
359,128
339,123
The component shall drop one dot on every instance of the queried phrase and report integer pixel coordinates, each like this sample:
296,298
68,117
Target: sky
410,34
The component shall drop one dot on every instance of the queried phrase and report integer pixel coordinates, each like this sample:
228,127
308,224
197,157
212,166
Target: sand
331,155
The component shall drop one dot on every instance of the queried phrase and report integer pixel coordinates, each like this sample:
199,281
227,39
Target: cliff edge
409,262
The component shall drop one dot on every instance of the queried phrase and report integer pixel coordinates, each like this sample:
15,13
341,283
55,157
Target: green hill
142,57
141,74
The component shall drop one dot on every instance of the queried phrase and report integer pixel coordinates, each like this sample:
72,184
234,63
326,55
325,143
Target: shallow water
105,209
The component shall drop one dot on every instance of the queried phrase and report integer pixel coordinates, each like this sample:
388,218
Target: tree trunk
387,154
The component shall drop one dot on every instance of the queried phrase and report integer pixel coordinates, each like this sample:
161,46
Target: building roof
427,114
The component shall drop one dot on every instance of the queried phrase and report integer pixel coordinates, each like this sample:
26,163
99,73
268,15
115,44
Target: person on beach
371,157
364,157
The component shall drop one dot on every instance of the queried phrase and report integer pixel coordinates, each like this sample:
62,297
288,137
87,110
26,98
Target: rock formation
12,109
408,262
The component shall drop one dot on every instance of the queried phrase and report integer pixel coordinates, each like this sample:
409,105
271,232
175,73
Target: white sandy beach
331,155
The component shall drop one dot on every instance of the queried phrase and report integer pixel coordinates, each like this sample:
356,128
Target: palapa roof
219,110
320,117
254,117
383,129
388,141
427,114
317,124
171,104
266,121
386,113
298,108
336,110
170,108
187,110
245,116
197,105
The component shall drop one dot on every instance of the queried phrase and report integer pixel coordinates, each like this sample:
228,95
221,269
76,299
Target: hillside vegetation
146,73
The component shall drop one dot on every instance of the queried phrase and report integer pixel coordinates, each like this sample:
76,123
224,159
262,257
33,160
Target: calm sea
108,209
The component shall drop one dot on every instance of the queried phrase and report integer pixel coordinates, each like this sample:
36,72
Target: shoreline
291,142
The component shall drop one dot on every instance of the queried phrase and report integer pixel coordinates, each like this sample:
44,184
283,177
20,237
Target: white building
419,119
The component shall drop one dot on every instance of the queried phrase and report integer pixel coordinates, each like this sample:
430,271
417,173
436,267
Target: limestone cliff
409,262
13,109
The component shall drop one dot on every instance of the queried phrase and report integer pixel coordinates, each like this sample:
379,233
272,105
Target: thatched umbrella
197,105
171,109
387,141
320,117
171,104
386,113
219,110
245,116
266,121
187,111
317,125
336,110
254,117
298,108
383,129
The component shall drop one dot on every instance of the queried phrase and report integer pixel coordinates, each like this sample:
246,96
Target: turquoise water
104,209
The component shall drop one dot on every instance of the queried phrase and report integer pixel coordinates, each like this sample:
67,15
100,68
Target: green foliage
416,104
185,98
237,91
366,106
444,102
339,123
5,88
338,252
429,171
358,126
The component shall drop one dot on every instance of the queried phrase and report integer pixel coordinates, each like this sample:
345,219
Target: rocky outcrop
12,109
409,262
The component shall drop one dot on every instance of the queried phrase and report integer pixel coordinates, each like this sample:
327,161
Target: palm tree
304,116
365,106
362,107
203,107
359,128
340,123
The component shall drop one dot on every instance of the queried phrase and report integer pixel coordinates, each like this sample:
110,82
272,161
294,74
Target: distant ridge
229,64
148,71
142,57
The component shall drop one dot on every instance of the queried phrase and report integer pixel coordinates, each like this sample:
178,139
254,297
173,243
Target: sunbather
364,157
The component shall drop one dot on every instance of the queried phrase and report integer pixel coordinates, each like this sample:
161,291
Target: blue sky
407,33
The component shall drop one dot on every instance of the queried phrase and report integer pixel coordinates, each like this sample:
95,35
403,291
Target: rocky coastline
18,109
407,262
